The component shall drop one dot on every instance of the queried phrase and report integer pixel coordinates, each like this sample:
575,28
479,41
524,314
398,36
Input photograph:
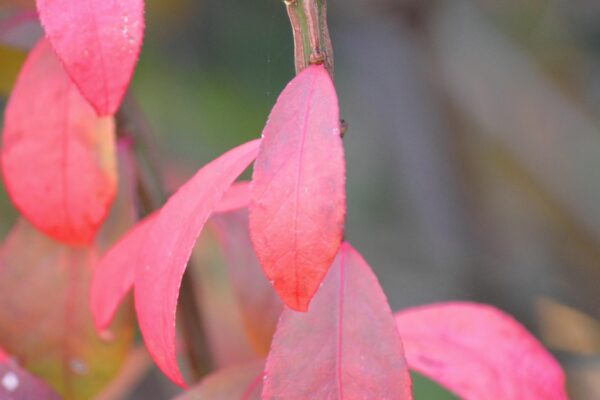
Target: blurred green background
473,147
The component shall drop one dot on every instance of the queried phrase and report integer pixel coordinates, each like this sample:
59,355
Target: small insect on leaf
167,248
58,157
298,197
98,42
346,346
479,352
18,384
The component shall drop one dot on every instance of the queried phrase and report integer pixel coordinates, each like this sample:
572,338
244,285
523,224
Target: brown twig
312,44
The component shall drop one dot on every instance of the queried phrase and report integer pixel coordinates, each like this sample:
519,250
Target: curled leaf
346,346
167,249
479,352
115,273
98,43
298,199
58,157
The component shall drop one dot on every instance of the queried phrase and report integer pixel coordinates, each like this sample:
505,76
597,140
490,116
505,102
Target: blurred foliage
473,143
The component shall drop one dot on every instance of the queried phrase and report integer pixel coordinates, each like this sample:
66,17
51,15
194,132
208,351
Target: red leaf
239,382
259,305
98,43
167,249
114,275
18,384
346,345
298,199
478,352
58,157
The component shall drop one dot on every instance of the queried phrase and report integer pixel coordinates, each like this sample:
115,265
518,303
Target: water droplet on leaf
10,381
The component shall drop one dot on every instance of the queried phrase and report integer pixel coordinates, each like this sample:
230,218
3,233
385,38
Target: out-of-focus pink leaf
167,249
45,319
258,303
114,275
18,384
236,197
221,318
346,346
98,43
298,199
478,352
242,382
58,157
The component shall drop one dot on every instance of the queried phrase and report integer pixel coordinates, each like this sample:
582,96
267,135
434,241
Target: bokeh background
473,148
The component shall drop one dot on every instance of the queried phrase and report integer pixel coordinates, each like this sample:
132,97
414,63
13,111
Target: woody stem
312,44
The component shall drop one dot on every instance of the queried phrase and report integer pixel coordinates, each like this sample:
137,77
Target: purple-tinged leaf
479,352
346,346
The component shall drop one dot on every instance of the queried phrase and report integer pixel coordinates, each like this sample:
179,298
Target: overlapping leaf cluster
336,336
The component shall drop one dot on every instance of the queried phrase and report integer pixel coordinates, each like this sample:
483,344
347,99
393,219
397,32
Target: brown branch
312,43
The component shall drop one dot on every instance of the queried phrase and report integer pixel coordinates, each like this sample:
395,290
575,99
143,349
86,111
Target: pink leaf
58,157
18,384
259,305
478,352
345,347
114,275
298,199
238,196
167,249
98,42
239,382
